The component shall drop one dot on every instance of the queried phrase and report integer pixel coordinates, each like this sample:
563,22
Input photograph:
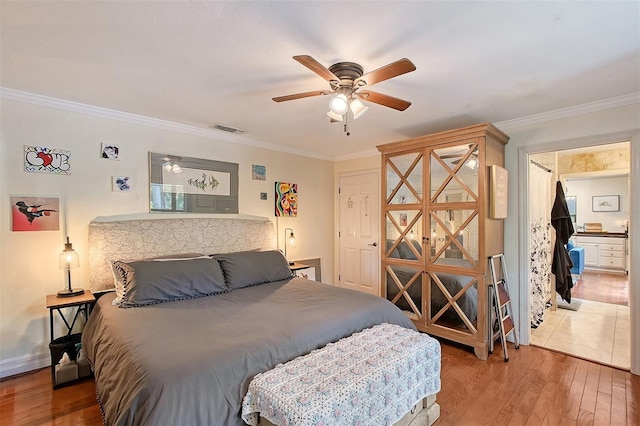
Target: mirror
572,202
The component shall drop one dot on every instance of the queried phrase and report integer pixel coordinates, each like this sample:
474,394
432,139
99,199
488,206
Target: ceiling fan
470,155
350,85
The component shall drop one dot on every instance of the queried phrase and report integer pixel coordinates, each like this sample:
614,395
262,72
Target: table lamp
69,260
289,241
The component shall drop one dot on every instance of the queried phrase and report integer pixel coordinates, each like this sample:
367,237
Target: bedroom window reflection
162,198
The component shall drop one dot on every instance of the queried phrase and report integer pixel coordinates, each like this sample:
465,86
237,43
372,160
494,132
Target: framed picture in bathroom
605,203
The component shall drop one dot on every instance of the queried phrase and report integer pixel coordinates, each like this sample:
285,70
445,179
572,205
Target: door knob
374,245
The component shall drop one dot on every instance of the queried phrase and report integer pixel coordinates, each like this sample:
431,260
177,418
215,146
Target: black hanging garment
561,266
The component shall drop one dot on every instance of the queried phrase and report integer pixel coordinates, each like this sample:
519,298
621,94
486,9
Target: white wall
29,260
585,189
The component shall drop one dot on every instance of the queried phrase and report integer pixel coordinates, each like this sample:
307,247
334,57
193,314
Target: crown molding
46,101
604,104
41,100
360,154
601,105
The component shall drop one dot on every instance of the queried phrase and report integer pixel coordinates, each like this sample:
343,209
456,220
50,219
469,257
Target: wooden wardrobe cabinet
436,242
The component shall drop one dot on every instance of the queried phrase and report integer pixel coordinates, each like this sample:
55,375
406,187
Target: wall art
46,160
35,213
263,195
258,172
194,185
605,203
499,182
110,151
121,183
286,199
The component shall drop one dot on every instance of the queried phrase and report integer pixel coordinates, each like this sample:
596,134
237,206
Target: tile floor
596,332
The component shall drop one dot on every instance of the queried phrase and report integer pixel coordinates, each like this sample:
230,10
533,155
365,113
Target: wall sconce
291,240
69,260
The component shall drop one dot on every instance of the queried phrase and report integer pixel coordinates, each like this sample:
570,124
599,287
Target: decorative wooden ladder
500,306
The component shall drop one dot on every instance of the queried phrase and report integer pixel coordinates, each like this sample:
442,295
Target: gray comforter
190,362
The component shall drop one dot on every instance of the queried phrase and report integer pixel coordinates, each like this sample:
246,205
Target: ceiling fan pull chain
346,123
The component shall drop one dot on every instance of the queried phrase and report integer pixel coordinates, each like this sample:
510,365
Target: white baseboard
23,364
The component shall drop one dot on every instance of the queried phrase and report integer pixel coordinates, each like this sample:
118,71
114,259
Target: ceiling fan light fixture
334,116
339,104
472,163
358,108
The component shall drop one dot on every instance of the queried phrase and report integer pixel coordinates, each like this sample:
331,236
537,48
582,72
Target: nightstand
67,343
297,266
303,271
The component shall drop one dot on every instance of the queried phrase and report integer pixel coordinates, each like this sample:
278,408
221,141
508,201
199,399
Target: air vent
225,128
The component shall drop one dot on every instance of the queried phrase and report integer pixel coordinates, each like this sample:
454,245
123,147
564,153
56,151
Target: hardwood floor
535,387
603,287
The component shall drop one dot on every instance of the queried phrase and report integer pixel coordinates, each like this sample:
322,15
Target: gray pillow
405,251
246,268
147,282
117,276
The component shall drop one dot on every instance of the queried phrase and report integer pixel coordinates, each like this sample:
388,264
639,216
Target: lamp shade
334,116
358,108
289,240
69,260
339,104
472,163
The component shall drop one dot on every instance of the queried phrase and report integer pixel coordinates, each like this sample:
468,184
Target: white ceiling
203,62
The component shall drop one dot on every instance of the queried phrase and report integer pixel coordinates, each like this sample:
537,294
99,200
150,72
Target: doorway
596,324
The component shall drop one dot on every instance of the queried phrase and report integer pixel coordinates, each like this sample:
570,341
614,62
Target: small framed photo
403,219
263,195
121,184
605,203
258,172
110,151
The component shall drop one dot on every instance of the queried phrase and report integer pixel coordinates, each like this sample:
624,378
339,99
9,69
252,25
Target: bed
190,360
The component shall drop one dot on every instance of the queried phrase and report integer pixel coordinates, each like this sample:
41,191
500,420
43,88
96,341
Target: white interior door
358,231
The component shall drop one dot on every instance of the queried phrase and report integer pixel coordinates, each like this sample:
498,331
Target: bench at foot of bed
427,408
383,375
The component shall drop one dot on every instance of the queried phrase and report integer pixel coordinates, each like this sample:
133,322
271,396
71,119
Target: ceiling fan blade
301,95
316,67
394,69
386,100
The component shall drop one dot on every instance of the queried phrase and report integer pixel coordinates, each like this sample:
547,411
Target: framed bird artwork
35,213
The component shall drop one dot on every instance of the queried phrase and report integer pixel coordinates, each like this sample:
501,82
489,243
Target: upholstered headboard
114,239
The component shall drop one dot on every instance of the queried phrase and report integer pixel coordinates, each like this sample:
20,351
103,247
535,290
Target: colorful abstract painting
46,160
35,213
286,199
